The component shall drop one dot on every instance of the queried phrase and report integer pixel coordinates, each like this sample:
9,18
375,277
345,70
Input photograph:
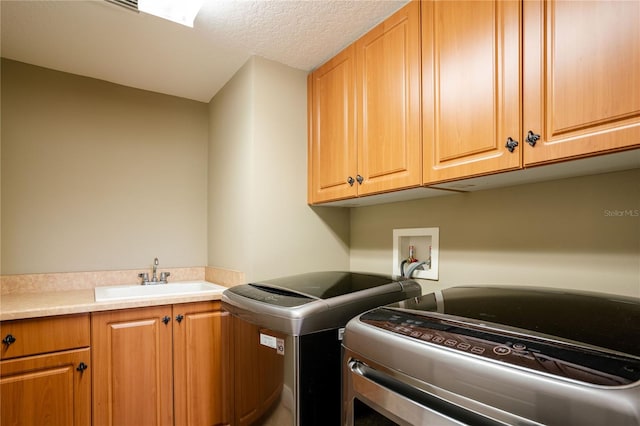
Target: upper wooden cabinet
364,106
505,84
388,103
332,131
580,81
470,87
581,78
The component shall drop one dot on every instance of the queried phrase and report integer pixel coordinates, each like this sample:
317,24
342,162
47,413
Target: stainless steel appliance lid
595,319
325,285
284,304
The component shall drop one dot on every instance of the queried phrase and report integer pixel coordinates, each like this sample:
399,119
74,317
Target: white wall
563,233
229,179
259,221
97,176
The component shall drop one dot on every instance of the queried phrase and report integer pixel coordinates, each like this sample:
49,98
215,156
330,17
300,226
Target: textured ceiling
101,40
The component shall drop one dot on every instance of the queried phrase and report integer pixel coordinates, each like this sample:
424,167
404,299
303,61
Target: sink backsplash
63,281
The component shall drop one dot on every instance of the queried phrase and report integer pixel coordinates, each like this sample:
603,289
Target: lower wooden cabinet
258,373
46,390
45,374
133,377
202,373
161,365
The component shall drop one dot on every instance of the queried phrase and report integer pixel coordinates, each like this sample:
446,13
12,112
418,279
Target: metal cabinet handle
360,179
511,144
9,339
350,181
82,366
166,319
532,138
179,318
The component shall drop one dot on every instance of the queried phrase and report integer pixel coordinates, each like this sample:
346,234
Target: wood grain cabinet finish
133,372
247,393
332,131
202,373
581,82
45,372
258,373
147,362
580,79
388,103
505,85
470,87
364,114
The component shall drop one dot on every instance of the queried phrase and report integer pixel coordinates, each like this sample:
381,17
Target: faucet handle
163,276
144,277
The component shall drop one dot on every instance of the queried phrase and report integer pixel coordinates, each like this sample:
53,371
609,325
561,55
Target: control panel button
508,348
426,336
502,350
477,350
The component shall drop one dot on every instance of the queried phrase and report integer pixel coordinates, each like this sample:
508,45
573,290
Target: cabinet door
50,334
258,373
271,372
132,355
388,103
246,338
471,87
201,340
581,77
332,139
46,389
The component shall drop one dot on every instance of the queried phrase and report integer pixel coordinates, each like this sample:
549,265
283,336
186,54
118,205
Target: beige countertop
32,305
41,295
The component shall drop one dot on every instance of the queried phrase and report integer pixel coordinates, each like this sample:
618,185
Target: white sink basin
187,288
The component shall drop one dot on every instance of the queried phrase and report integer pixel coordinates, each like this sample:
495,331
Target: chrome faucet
154,278
144,276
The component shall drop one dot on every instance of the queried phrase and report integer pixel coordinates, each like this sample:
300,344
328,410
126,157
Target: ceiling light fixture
181,11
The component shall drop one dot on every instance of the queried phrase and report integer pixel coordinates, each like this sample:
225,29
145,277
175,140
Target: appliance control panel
556,358
270,296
